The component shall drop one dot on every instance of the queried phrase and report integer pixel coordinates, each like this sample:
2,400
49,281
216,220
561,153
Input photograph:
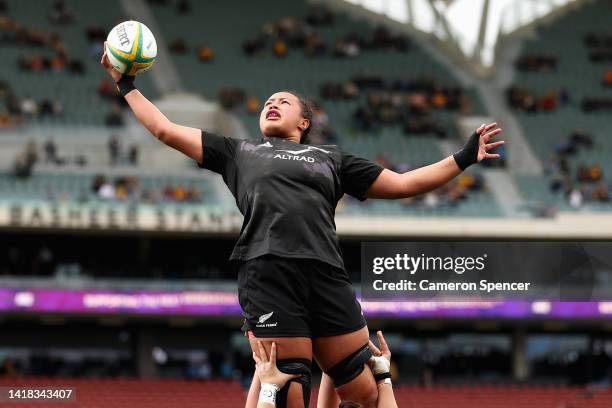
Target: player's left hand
486,133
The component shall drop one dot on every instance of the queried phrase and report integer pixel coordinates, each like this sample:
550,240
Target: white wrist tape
380,365
267,393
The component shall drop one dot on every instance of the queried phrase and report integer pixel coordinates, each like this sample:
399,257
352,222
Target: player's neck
295,139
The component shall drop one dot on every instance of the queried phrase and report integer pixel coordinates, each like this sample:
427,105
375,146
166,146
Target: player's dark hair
307,113
349,404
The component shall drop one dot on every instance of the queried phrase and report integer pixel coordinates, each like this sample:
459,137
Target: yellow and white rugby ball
131,47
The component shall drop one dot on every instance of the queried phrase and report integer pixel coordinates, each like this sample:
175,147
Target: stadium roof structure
470,28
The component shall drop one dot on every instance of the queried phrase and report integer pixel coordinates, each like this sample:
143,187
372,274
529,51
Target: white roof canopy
472,26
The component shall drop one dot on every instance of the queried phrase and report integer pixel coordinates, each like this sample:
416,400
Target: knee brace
295,366
349,368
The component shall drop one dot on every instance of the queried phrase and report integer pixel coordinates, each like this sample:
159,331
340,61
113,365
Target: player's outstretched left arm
390,184
186,140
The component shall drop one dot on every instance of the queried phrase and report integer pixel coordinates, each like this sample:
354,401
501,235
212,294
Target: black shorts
288,297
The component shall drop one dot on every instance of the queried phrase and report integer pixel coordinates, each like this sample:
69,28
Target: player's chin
269,128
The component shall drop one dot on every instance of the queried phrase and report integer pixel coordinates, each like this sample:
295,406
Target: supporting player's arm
390,184
186,140
380,364
270,377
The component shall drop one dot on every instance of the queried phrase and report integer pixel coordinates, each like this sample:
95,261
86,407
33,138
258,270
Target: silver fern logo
265,317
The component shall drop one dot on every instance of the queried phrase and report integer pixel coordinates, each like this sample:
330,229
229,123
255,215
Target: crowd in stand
204,52
123,188
127,188
522,99
119,155
291,33
17,110
14,33
408,103
26,160
46,54
178,45
599,46
10,106
536,63
584,184
600,51
448,196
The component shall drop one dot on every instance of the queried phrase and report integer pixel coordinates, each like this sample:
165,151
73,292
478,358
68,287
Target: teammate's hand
266,368
381,361
116,75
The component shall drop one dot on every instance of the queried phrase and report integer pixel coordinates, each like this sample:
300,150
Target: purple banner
208,303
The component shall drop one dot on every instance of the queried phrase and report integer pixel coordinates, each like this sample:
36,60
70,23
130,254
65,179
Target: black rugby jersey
287,193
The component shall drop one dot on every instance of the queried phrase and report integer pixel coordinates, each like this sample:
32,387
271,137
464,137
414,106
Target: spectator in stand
230,98
29,107
589,174
50,151
537,63
31,152
320,17
184,7
346,49
50,107
178,46
255,47
60,13
114,118
253,105
607,78
107,90
592,104
580,138
601,192
315,46
114,149
194,195
522,99
22,167
206,53
106,191
133,154
576,198
179,194
600,46
280,48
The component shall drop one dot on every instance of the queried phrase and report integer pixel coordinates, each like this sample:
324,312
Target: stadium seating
77,93
579,77
74,186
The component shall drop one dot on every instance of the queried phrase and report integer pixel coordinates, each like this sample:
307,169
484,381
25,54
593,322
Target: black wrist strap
126,84
468,155
380,377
